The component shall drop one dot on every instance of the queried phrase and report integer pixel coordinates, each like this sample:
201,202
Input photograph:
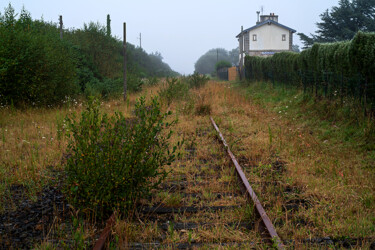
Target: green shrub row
38,68
347,67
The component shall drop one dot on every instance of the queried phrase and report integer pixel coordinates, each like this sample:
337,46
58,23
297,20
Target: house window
283,38
254,37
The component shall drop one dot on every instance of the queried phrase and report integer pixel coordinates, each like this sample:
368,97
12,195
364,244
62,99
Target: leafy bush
222,64
35,67
134,83
197,80
116,161
104,89
152,81
173,89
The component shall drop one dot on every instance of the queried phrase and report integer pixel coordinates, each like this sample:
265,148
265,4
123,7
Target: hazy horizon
181,31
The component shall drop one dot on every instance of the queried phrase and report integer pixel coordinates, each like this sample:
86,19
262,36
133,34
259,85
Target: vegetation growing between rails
116,161
312,184
38,68
342,70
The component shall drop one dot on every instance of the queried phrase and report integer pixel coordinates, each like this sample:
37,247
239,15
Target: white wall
269,37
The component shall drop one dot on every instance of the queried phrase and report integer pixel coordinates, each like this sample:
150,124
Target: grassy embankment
329,155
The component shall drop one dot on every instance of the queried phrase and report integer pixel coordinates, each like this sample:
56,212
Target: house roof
267,22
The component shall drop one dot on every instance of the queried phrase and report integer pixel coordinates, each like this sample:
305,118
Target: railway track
206,202
205,209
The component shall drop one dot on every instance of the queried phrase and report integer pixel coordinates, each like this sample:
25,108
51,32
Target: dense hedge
345,69
40,69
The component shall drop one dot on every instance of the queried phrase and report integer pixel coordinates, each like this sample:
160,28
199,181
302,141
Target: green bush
134,83
222,64
35,67
173,89
116,161
197,80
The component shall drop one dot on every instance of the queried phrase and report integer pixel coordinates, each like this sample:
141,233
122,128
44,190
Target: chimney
271,16
258,12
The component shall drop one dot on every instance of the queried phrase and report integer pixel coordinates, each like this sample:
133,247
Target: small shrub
222,64
152,81
174,89
114,162
104,89
134,83
196,80
203,109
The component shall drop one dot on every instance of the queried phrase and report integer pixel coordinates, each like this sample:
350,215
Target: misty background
181,31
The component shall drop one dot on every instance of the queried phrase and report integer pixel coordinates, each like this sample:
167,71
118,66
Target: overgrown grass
335,122
312,182
327,154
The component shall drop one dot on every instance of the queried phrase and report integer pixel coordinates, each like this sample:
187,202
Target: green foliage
334,69
38,68
174,89
35,67
342,22
197,80
222,64
152,81
206,63
104,89
116,161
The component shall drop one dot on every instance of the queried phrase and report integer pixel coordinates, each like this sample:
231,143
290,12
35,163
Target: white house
266,38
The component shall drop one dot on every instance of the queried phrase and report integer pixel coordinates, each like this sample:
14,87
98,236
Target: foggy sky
181,30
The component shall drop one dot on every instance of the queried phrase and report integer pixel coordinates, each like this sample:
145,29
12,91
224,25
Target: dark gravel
29,223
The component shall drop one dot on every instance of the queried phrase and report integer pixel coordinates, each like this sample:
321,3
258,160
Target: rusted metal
266,220
104,235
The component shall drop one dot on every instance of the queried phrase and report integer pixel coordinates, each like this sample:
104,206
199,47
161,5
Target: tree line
342,22
207,63
38,68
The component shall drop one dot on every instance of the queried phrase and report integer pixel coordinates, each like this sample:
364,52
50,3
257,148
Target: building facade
266,38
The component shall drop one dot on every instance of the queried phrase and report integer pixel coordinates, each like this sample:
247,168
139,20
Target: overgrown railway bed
316,193
207,202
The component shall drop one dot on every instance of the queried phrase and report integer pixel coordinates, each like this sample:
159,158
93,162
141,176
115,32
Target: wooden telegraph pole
241,54
61,27
124,49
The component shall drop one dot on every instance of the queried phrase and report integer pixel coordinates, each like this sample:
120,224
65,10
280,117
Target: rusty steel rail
99,245
259,208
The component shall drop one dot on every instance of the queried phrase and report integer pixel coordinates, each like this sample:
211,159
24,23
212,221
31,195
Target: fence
222,74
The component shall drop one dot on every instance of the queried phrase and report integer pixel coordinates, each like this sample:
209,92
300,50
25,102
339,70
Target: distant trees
342,22
206,63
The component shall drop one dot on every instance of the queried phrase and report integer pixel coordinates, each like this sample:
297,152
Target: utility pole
61,27
241,52
140,40
217,55
124,50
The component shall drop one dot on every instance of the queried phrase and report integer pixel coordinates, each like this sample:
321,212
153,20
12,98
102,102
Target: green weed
115,161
